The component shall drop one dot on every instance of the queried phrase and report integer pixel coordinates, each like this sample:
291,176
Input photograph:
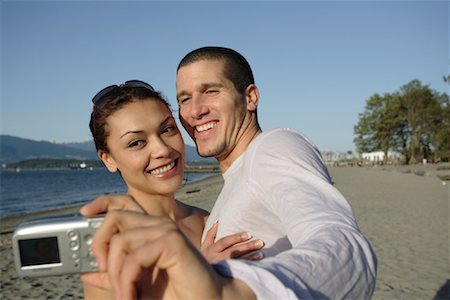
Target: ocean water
39,190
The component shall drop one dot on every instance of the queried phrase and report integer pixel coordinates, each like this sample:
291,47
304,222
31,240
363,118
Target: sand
406,218
404,212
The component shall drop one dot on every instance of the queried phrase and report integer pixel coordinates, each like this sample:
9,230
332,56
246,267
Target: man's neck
241,146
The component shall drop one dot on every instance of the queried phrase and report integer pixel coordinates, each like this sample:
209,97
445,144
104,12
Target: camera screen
39,251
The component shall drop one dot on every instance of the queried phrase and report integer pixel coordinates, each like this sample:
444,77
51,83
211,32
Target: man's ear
252,96
108,160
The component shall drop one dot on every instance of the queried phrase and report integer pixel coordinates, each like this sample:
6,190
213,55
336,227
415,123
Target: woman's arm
129,245
93,292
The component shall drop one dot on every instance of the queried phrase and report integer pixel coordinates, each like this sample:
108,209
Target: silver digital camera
55,245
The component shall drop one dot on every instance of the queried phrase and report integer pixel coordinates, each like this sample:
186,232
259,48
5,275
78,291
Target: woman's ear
108,160
252,96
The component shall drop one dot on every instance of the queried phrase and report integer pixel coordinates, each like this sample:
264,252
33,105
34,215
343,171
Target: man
276,187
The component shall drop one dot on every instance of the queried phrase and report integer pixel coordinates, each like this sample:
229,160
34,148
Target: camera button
72,235
75,256
96,224
74,245
88,239
93,263
90,253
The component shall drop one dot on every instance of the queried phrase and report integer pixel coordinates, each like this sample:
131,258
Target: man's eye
183,100
211,92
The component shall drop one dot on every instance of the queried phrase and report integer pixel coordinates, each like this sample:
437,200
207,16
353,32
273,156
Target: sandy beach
404,212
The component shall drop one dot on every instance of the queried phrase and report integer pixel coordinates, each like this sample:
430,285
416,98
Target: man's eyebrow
202,87
182,93
210,85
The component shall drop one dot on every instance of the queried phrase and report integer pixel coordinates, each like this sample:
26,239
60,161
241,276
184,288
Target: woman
136,135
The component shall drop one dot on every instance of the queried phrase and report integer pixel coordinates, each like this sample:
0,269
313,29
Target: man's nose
198,107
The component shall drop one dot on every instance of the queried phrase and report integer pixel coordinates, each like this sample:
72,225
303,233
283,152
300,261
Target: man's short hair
236,67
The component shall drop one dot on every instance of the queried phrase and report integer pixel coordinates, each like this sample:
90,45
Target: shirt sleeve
330,258
307,273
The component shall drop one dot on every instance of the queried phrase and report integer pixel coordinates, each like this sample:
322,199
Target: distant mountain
14,149
191,151
86,146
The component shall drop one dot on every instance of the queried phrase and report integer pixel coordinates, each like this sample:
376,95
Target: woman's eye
170,129
135,144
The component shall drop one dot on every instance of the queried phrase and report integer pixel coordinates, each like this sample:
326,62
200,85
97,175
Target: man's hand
231,246
102,204
105,203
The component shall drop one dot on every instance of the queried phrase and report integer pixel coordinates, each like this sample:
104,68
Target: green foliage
442,136
414,121
378,124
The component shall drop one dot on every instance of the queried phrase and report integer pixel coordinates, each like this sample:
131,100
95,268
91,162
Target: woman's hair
236,67
112,102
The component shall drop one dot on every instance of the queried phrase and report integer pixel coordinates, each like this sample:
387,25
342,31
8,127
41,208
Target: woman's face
146,147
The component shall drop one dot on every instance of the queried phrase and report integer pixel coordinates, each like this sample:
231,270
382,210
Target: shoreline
404,212
201,193
8,223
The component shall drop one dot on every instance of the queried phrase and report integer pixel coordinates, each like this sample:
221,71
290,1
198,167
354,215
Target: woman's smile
164,170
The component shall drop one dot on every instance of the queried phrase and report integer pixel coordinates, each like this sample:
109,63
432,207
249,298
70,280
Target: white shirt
280,191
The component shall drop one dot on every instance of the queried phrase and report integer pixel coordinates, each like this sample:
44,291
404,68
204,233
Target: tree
377,124
441,138
401,134
422,115
414,121
364,139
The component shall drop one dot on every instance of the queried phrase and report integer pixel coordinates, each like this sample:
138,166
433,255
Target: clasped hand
131,246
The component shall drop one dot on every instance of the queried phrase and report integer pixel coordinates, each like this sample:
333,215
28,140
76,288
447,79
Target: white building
378,156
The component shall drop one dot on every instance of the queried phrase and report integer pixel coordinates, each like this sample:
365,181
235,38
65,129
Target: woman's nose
160,148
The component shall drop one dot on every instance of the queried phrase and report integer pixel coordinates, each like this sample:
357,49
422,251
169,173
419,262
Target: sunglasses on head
130,83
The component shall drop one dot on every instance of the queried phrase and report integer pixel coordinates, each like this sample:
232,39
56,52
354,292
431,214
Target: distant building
332,158
378,156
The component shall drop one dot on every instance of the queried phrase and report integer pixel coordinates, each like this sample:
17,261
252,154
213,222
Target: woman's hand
131,246
108,246
236,245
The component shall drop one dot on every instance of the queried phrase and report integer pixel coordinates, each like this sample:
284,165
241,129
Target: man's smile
205,127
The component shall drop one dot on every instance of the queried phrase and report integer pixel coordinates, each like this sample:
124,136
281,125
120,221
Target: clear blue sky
316,63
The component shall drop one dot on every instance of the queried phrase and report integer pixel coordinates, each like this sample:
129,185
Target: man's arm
330,257
320,270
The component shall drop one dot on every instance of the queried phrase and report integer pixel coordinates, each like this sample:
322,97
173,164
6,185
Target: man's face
211,110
